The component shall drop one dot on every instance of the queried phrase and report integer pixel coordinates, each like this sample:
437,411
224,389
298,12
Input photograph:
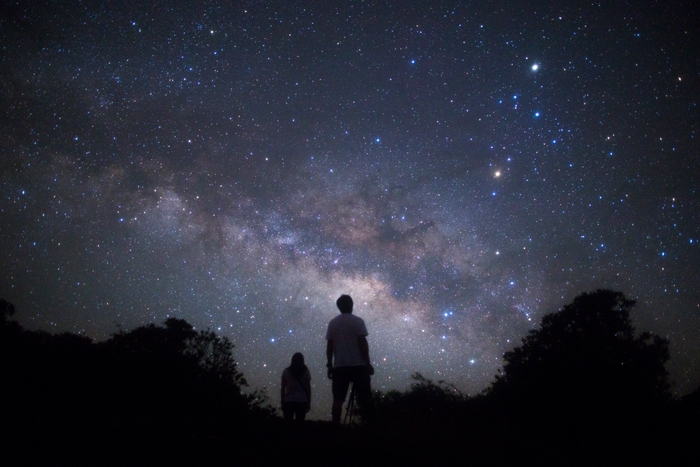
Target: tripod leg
350,409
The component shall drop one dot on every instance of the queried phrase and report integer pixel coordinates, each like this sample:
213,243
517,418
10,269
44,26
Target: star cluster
459,168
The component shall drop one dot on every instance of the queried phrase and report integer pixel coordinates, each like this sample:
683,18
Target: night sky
459,168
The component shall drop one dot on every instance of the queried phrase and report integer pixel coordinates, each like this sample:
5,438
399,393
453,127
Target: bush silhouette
425,403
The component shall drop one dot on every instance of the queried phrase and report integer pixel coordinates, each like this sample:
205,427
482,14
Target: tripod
350,408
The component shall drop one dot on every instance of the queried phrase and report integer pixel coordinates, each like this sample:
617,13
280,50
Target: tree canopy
587,356
153,383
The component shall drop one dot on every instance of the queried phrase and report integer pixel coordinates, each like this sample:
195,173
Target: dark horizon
581,389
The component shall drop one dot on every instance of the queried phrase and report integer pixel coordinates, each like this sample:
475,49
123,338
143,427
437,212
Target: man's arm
364,352
329,357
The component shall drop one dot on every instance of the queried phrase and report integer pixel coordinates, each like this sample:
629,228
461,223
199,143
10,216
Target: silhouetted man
347,342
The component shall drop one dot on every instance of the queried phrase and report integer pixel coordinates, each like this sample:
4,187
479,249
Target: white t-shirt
344,330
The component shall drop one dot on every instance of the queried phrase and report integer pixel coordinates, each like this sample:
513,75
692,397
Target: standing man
347,342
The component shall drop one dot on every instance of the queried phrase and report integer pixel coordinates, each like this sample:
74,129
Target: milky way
460,169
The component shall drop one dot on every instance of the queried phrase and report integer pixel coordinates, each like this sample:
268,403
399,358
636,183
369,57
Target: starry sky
459,168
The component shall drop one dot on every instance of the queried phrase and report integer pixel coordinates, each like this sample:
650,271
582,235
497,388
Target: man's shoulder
334,321
356,319
346,318
351,322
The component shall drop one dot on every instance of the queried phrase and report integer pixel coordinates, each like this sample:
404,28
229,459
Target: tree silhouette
585,359
153,389
180,372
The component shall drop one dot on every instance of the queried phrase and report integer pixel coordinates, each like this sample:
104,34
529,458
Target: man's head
344,303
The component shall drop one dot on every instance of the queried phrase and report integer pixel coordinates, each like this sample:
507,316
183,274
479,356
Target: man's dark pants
359,377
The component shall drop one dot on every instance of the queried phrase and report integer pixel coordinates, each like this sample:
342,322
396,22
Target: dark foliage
152,386
581,390
179,374
587,384
587,357
425,404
